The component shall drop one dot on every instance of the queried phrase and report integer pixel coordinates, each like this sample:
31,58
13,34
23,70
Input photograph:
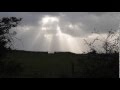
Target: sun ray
36,38
52,37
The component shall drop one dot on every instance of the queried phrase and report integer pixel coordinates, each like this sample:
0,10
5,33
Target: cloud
39,31
102,21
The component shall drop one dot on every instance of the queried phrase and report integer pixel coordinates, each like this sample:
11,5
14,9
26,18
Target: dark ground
60,65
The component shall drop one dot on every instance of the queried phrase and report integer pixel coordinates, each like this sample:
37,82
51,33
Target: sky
61,31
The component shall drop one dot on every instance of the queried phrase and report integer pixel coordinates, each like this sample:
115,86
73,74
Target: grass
65,65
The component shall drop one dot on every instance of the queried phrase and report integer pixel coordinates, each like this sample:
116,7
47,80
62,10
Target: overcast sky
61,31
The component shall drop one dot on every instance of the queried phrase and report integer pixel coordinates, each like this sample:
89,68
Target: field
64,65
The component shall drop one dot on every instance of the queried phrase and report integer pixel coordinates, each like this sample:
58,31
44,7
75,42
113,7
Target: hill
65,65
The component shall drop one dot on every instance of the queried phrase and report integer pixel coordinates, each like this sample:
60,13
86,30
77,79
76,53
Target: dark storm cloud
102,21
29,18
75,24
97,13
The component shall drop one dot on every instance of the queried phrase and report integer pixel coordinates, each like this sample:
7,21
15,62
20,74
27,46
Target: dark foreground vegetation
60,65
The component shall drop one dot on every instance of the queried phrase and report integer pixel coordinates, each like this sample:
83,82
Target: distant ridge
41,52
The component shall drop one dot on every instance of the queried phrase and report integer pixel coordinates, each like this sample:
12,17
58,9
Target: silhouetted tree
6,37
111,46
91,46
110,43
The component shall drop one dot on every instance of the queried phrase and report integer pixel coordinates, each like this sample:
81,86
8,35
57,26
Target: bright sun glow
70,26
49,19
51,31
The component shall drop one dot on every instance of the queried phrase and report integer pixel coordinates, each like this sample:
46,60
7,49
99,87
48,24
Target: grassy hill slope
65,65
